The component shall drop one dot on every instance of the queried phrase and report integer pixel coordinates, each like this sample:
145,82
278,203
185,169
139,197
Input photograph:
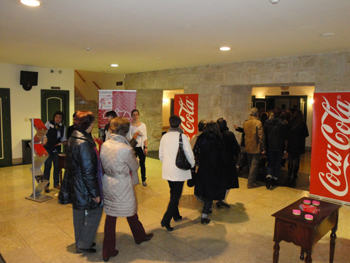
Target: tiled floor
43,232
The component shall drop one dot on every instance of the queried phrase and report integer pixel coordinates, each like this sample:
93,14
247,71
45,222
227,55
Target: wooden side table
304,233
61,165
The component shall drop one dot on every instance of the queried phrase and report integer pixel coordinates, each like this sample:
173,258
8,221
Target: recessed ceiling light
114,65
274,2
225,48
327,35
30,2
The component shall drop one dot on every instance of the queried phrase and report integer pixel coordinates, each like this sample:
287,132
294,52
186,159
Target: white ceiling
146,35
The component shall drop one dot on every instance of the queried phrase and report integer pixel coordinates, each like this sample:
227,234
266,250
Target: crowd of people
278,136
104,179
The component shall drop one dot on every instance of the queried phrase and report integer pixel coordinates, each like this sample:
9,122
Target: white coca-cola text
187,123
339,139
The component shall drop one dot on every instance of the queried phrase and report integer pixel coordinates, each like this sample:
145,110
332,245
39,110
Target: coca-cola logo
335,127
186,113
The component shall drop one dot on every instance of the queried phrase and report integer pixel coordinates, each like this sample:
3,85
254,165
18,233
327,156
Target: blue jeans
274,160
206,208
53,157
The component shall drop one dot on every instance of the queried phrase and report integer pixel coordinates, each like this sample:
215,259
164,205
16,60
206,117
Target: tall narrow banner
186,107
330,171
120,101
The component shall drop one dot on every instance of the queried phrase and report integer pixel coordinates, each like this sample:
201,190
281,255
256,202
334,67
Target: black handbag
181,160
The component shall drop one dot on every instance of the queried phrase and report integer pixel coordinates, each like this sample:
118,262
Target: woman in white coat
169,145
120,166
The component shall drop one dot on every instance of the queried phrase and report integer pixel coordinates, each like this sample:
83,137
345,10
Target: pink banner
120,101
330,146
186,107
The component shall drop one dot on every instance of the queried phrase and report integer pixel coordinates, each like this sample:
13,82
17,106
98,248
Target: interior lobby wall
26,104
225,89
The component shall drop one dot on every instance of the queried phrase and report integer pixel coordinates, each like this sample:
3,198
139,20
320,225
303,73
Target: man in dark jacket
55,137
275,130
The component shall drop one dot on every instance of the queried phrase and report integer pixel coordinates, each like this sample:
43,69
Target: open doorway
282,102
300,97
168,106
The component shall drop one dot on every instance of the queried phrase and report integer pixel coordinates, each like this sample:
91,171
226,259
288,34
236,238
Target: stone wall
225,89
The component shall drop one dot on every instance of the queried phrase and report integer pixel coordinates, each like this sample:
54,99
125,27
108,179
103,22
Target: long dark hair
211,129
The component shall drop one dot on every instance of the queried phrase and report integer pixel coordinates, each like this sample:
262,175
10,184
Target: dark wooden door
5,128
52,101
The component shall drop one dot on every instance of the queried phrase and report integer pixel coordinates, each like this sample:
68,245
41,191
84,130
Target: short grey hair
254,112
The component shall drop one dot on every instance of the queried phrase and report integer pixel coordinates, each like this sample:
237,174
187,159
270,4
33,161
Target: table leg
276,252
302,254
332,246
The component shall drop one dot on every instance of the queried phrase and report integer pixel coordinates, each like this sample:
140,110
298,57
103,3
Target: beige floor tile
25,254
43,232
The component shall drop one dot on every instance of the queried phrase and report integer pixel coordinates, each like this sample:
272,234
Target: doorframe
65,110
305,97
6,134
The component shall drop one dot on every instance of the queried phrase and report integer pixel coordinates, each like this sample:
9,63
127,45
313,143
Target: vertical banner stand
38,160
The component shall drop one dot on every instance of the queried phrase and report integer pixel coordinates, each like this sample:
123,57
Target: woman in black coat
211,156
296,145
232,150
81,165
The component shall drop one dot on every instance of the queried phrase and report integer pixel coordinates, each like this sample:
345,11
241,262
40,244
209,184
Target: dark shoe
115,254
178,219
251,186
268,183
147,238
205,221
93,244
220,204
87,250
167,226
144,183
57,187
47,189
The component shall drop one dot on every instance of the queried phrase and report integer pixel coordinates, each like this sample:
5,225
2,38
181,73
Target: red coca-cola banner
330,172
186,107
120,101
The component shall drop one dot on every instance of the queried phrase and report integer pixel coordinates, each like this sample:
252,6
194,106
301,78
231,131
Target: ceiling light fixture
30,2
225,48
274,2
114,65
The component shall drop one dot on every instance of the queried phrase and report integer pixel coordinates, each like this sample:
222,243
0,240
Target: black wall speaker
28,79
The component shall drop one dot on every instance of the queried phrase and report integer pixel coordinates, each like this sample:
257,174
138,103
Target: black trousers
173,206
139,153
